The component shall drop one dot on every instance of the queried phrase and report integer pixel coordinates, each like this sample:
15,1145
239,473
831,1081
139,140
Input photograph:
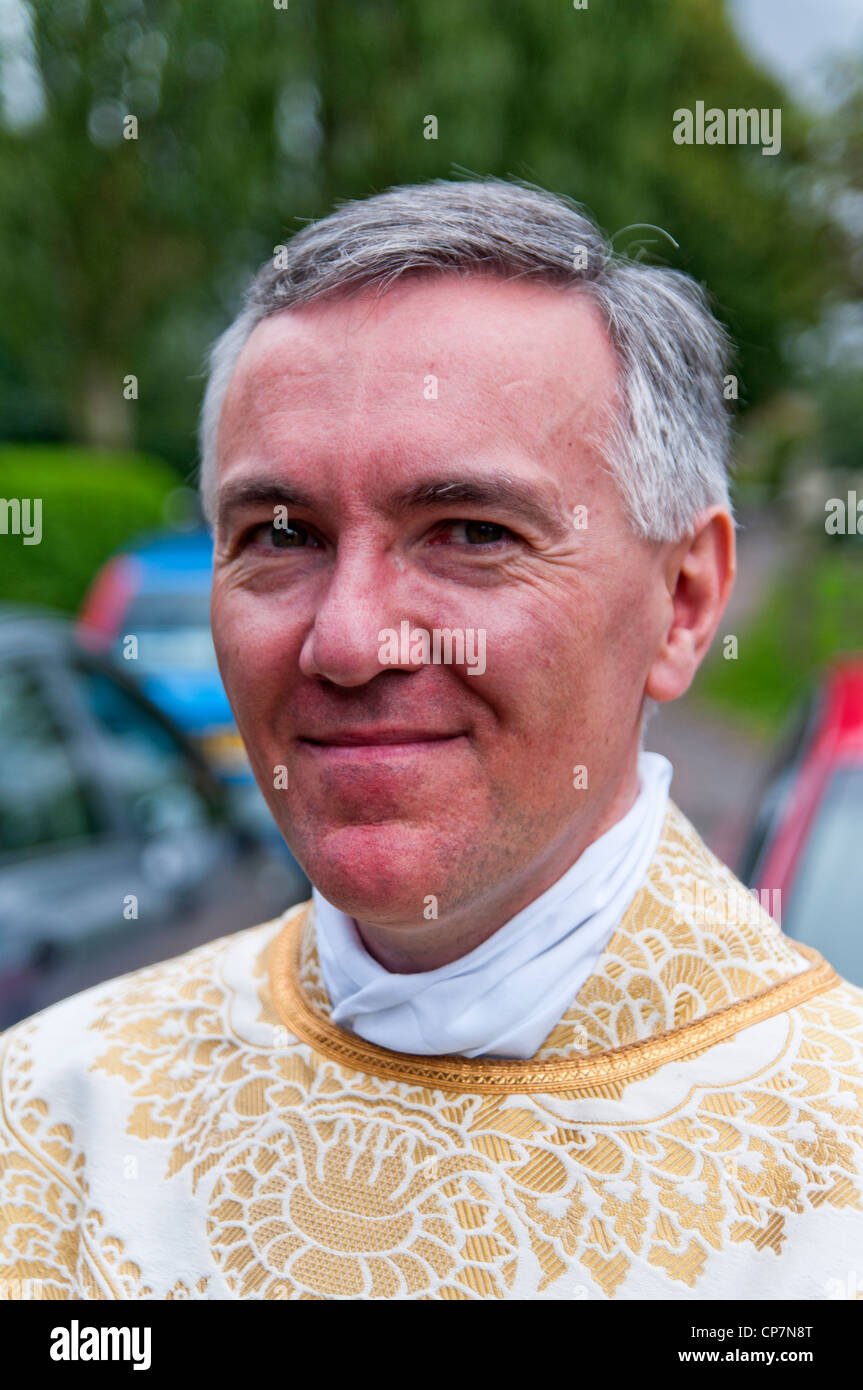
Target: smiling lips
379,742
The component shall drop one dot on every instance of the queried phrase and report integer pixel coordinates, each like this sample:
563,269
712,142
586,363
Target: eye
291,536
477,533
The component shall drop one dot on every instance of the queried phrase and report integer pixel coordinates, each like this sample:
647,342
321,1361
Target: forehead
434,355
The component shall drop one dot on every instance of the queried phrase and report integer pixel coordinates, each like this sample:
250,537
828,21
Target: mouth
377,743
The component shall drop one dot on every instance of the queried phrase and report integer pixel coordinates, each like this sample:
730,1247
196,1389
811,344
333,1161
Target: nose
364,598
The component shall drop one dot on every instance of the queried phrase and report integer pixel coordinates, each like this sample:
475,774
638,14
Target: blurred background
152,155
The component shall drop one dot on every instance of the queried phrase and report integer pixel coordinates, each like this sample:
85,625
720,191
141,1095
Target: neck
407,948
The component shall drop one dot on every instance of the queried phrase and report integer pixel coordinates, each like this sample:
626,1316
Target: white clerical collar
503,998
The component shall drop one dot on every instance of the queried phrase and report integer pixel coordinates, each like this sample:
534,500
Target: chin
377,873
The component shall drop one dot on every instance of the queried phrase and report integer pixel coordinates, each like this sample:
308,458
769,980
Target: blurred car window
824,907
147,767
180,607
173,629
43,800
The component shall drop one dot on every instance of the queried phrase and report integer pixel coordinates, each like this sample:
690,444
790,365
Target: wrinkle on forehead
526,362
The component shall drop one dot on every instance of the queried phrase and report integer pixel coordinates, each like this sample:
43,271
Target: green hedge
92,503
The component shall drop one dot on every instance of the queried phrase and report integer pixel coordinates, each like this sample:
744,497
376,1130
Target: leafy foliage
91,504
126,256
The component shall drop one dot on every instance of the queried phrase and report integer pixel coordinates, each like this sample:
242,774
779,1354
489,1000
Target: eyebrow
478,490
261,492
484,490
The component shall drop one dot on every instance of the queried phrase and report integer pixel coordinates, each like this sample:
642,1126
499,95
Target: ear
699,576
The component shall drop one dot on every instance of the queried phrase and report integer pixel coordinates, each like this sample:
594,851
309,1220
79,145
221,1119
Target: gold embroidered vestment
692,1127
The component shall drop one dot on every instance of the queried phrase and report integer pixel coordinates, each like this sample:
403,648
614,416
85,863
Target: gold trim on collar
483,1076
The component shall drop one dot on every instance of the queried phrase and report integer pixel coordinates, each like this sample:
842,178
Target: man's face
431,447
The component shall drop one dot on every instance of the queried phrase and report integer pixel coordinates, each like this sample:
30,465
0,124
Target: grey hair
666,443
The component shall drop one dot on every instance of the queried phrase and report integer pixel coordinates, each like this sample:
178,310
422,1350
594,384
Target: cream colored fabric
691,1128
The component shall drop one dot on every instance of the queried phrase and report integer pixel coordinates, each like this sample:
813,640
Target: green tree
124,256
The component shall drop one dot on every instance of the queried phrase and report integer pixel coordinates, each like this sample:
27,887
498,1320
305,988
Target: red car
805,852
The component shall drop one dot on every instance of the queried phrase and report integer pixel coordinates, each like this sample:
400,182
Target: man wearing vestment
529,1038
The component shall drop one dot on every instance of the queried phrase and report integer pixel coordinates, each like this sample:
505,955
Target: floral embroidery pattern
316,1180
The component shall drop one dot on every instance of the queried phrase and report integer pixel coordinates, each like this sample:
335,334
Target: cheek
255,646
569,671
623,654
540,684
